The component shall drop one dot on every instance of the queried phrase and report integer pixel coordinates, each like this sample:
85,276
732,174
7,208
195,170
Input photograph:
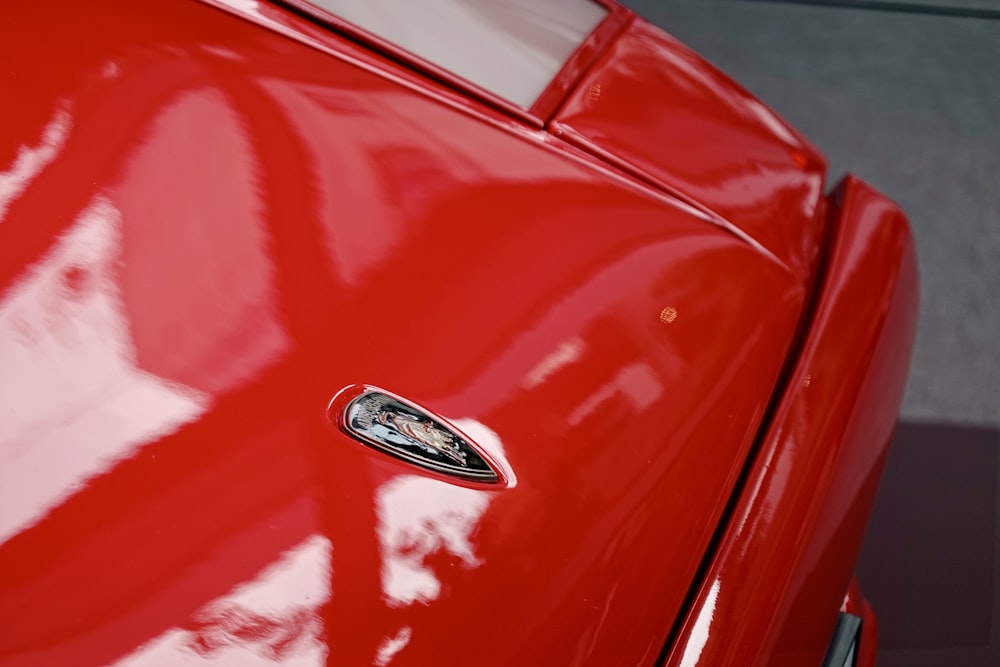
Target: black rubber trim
898,7
845,637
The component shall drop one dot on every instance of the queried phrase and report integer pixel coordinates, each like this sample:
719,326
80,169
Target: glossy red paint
772,592
606,34
211,225
216,229
656,109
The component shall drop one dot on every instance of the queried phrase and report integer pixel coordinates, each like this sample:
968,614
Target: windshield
512,48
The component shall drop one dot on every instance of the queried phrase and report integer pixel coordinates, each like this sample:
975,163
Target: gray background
909,100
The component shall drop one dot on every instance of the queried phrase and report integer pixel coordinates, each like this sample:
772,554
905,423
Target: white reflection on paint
249,6
637,382
110,70
702,626
73,401
418,517
30,161
390,646
273,619
565,354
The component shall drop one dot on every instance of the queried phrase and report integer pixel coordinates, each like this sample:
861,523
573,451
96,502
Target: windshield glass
512,48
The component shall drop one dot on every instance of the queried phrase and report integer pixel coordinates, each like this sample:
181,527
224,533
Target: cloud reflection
31,161
393,645
418,518
79,404
273,619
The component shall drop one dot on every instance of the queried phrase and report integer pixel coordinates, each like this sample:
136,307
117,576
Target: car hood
657,109
213,230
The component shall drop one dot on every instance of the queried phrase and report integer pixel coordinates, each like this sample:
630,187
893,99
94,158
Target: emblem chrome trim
409,433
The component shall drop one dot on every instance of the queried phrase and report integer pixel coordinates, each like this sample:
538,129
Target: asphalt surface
907,96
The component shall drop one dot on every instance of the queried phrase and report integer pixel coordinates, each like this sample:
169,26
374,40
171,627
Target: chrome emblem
406,432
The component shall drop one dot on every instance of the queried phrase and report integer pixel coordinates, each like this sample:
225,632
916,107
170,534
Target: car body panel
215,230
212,225
771,593
654,107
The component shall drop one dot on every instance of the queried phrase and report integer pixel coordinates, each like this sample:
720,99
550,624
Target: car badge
409,433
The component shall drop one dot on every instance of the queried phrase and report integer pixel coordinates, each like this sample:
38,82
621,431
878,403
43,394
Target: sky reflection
30,161
417,518
273,619
81,403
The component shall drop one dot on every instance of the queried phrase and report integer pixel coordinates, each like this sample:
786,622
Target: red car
448,332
